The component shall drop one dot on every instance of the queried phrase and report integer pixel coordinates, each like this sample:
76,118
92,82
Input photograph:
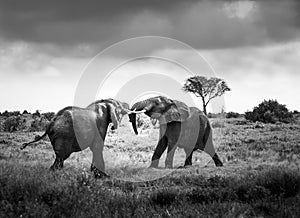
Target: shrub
143,121
212,115
218,124
216,115
11,113
25,112
49,115
38,124
270,112
5,113
232,115
11,124
36,114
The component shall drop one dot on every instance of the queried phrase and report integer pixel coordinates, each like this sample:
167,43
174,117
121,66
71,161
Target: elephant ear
178,111
121,108
111,110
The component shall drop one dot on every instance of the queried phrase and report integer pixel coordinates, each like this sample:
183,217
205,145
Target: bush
36,114
232,115
49,115
143,121
25,112
11,124
270,112
218,124
38,124
216,115
5,113
11,113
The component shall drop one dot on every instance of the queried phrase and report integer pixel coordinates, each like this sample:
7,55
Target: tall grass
34,192
247,186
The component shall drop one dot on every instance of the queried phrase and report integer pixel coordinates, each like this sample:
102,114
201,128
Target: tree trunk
204,106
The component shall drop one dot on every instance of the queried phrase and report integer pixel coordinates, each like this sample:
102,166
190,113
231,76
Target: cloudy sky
45,47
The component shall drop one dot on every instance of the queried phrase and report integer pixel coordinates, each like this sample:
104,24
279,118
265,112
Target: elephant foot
151,166
217,161
98,174
184,166
187,163
154,164
57,165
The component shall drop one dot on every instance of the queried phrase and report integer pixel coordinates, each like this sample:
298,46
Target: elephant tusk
139,112
131,112
136,112
128,111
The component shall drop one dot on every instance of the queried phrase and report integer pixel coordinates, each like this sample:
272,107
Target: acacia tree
205,88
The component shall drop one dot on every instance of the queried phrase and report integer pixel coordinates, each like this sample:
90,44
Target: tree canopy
206,88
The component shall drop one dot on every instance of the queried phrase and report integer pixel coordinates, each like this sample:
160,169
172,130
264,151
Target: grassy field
260,177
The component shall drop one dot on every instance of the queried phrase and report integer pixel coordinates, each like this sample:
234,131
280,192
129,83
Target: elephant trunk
132,118
138,106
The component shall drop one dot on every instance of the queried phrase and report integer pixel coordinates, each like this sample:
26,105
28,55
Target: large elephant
180,126
74,129
122,108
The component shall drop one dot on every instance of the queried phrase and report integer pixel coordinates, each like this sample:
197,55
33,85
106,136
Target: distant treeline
269,111
11,121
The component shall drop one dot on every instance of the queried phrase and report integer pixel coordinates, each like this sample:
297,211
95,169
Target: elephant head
119,109
161,108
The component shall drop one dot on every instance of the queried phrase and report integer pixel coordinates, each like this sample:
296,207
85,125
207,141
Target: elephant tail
36,139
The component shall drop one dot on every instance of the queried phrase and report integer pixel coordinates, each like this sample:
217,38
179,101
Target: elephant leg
98,160
188,160
170,156
209,148
172,133
98,165
159,150
98,173
217,160
62,149
189,156
58,164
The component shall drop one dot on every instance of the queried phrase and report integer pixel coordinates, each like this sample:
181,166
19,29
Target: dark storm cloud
202,24
67,21
279,19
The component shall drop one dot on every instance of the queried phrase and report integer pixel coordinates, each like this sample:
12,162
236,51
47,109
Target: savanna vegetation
260,177
270,112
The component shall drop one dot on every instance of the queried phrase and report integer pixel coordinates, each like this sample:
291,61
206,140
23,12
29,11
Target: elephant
180,126
73,129
122,108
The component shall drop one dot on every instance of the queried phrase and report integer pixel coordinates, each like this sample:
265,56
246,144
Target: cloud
62,26
258,73
267,60
51,71
21,57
